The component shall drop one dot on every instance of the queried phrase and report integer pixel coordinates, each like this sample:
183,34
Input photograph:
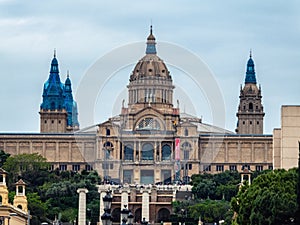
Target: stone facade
286,138
151,141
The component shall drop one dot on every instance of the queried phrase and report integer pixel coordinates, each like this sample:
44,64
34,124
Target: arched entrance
138,215
163,215
116,215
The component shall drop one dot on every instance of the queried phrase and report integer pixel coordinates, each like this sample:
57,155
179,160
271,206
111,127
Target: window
148,124
166,152
127,176
52,121
243,122
186,147
259,168
220,168
232,167
107,132
250,122
147,151
270,167
76,167
206,167
107,166
190,166
45,121
250,106
88,167
186,132
147,176
186,154
107,147
63,167
51,167
128,152
257,122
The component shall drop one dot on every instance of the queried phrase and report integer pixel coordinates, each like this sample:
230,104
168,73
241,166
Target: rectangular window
190,166
259,168
232,167
147,176
63,167
220,168
76,167
88,167
51,167
186,154
206,167
127,176
270,167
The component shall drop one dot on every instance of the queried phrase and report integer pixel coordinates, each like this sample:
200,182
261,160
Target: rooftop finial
68,74
250,53
54,53
151,28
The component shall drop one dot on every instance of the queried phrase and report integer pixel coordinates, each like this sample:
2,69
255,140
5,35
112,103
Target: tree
211,210
3,157
270,199
18,164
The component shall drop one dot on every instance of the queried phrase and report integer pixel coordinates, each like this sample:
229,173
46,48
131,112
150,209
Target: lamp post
126,215
106,217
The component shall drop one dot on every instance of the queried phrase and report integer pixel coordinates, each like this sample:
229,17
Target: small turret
20,199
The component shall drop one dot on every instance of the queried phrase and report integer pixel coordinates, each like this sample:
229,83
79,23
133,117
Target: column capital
84,190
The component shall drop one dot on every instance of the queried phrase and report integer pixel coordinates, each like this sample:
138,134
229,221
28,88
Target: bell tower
58,111
250,111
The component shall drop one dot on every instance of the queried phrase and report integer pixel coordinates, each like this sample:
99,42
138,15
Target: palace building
151,140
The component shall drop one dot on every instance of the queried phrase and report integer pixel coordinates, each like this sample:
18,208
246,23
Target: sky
220,33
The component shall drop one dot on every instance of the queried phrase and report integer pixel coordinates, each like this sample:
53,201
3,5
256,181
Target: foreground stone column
82,206
145,205
102,191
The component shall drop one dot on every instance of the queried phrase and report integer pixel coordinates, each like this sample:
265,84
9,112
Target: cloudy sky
220,34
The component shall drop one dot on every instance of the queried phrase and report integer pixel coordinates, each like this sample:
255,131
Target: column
82,206
124,199
145,205
102,190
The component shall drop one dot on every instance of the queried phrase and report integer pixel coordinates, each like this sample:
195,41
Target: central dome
150,66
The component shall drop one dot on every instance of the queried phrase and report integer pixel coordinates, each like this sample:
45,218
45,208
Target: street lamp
106,217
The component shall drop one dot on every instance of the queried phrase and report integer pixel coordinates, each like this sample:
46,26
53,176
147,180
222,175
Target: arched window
251,106
186,147
107,132
108,147
166,152
148,123
128,152
147,152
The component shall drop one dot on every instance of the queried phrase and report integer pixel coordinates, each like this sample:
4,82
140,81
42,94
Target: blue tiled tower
58,111
250,112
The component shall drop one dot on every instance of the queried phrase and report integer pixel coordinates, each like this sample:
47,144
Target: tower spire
250,72
151,49
54,55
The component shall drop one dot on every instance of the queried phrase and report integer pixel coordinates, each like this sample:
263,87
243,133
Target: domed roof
150,65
